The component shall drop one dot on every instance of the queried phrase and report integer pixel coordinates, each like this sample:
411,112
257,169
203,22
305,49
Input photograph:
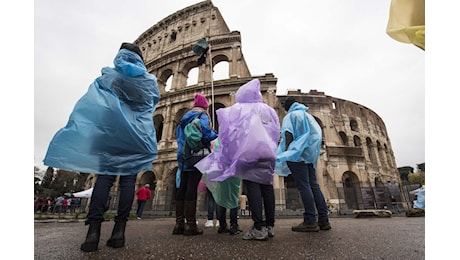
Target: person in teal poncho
298,153
110,132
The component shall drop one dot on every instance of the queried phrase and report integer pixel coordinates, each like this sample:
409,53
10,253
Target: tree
418,177
58,182
48,178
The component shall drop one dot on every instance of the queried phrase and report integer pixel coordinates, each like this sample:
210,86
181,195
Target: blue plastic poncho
248,134
419,203
110,130
307,135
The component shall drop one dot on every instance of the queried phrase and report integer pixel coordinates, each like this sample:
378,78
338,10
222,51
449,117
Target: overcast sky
338,47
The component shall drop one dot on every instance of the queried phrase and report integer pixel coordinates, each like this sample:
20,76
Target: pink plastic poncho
248,133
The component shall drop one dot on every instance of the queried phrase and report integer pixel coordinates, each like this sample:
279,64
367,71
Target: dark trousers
188,188
212,206
101,194
140,207
261,197
222,216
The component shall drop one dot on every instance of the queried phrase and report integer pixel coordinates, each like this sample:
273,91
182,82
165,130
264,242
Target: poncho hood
249,92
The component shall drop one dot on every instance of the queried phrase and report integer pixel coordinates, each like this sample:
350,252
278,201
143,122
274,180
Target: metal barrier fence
393,197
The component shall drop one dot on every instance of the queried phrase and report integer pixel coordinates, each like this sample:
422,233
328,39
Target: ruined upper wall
182,29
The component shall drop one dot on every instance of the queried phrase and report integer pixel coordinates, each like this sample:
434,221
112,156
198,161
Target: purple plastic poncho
110,130
248,133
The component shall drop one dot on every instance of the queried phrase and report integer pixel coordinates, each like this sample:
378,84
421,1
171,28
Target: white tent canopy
83,194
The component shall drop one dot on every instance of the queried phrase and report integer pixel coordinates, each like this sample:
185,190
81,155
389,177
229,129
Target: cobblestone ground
350,238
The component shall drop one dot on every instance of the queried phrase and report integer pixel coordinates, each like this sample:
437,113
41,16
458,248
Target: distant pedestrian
143,194
298,153
58,204
110,133
394,204
243,204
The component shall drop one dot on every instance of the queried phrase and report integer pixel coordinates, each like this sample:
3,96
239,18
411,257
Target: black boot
117,239
191,228
179,227
92,237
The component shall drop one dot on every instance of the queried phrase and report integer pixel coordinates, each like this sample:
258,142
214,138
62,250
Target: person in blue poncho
298,153
110,133
188,178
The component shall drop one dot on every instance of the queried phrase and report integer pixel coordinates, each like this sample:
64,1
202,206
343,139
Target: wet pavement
349,238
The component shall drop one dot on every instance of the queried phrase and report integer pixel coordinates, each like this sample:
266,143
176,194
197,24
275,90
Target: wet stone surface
151,238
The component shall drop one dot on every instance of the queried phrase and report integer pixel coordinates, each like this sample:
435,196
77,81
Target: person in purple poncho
249,132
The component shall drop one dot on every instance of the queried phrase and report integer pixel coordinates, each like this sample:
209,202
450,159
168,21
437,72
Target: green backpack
193,134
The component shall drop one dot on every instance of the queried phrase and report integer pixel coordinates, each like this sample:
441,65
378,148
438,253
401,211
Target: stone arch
221,70
369,146
354,125
217,106
177,119
147,177
170,196
188,65
380,152
320,123
163,79
293,199
158,121
351,188
344,137
217,58
357,141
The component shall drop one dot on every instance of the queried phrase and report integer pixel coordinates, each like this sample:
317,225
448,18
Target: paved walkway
350,238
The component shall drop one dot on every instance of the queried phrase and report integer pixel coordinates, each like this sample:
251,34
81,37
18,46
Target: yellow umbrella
407,22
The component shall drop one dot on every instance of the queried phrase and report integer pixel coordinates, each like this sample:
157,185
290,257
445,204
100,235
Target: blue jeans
310,191
222,215
261,196
212,206
101,194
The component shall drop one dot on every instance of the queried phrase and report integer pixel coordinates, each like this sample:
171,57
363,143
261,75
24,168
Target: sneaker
324,225
217,224
255,234
209,223
306,227
234,230
138,218
271,231
222,230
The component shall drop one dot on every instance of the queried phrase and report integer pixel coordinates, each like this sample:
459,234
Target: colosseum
356,169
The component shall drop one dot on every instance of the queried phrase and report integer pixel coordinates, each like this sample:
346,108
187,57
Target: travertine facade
356,154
